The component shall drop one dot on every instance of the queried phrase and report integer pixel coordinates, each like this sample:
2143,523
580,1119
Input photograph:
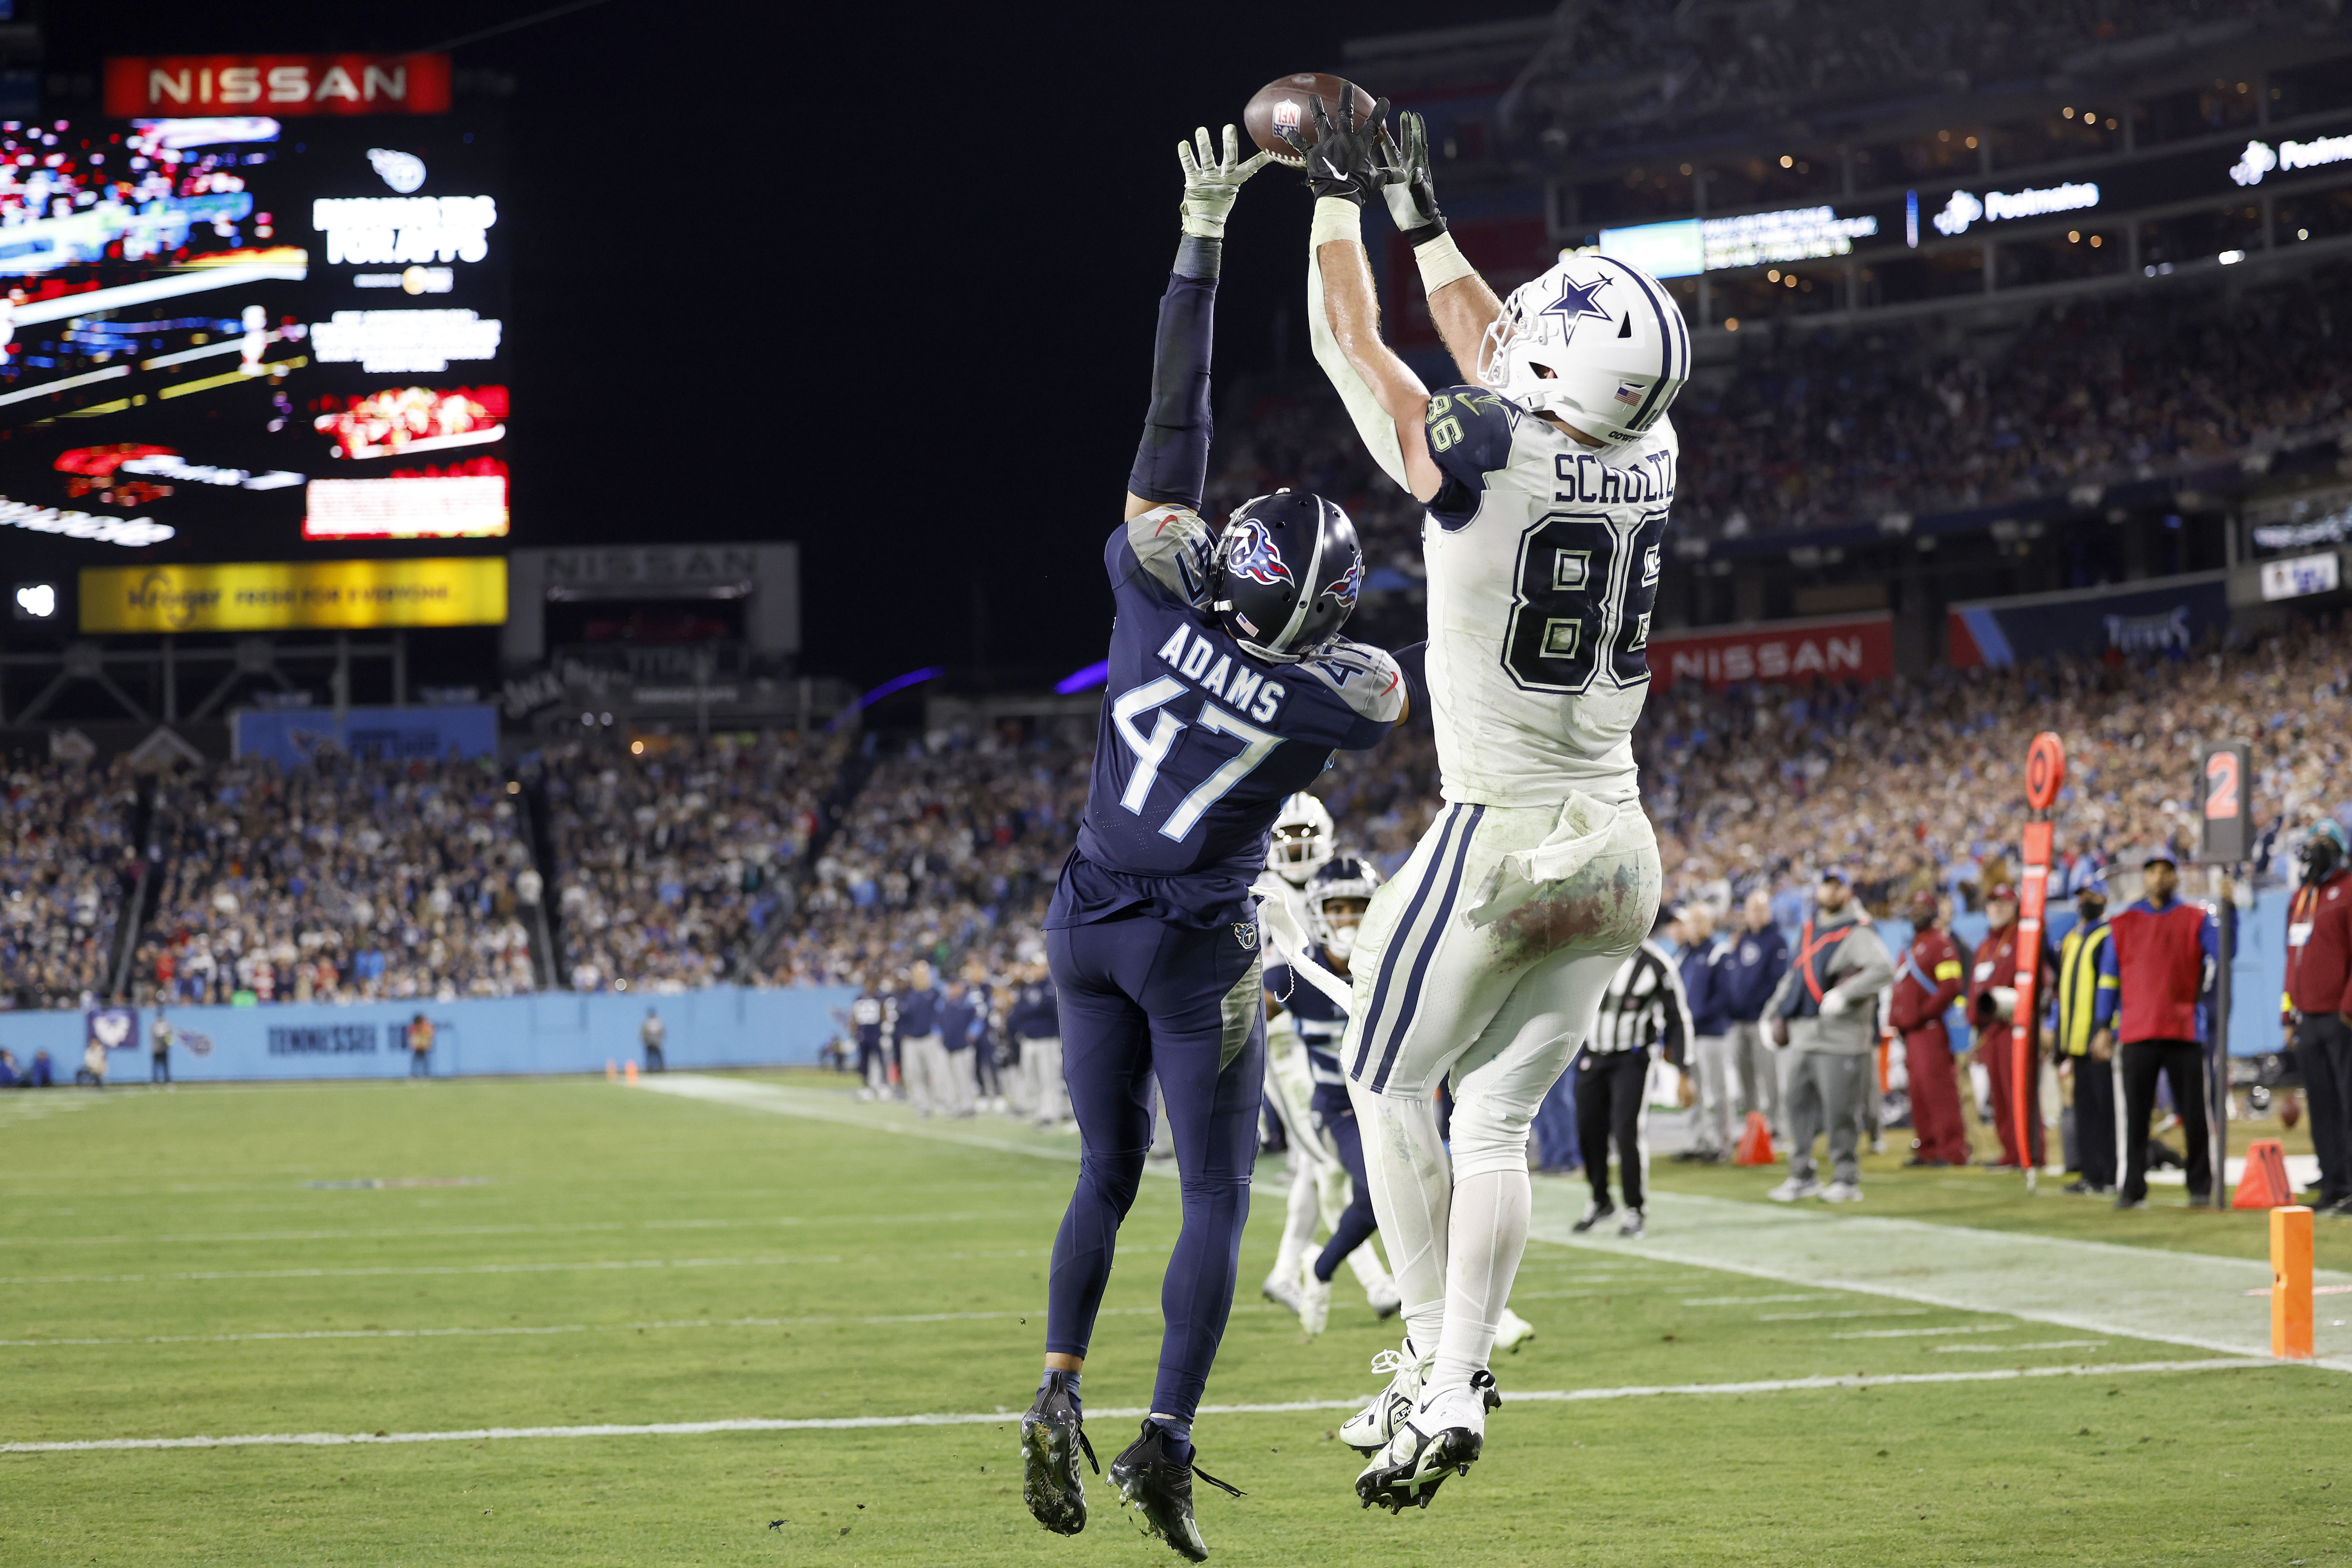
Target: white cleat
1369,1430
1789,1191
1384,1297
1841,1192
1445,1434
1283,1292
1313,1298
1514,1332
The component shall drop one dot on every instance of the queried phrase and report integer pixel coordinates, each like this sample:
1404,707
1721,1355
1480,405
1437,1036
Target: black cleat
1052,1437
1417,1460
1161,1489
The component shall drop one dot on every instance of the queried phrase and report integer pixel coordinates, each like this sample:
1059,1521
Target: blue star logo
1576,302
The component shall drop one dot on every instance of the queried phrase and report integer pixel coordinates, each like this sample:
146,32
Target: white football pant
1483,963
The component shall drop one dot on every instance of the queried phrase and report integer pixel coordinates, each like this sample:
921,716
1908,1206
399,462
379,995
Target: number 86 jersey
1199,743
1543,558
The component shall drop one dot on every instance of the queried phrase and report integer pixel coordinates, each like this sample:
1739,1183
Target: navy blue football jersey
1321,1022
1199,743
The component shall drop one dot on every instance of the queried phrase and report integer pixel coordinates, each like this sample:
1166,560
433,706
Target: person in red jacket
1929,979
1992,1005
2318,1004
2162,955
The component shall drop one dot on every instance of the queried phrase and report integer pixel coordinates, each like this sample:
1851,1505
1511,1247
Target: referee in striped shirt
1645,1010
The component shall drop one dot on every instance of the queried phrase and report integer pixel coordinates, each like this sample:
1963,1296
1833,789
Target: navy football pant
1139,998
1357,1221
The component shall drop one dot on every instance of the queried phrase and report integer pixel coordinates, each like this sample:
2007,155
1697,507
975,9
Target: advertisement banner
2167,616
293,737
279,595
141,86
1827,647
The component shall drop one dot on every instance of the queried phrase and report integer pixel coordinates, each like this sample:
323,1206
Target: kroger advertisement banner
1832,647
293,736
548,1032
2167,616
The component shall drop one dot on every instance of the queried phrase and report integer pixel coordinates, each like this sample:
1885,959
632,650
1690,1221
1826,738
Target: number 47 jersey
1543,557
1199,743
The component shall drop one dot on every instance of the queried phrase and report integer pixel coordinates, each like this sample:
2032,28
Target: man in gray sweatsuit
1825,1013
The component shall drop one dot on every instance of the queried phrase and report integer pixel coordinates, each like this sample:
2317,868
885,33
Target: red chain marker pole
2046,772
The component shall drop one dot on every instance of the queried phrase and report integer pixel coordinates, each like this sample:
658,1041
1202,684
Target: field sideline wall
548,1032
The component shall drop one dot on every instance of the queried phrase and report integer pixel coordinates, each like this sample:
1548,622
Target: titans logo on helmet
1350,585
1251,553
1576,302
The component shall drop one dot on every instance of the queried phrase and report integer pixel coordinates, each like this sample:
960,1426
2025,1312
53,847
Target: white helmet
1598,342
1343,878
1301,841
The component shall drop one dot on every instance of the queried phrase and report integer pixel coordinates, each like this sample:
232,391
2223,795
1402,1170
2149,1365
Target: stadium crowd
345,880
667,864
1810,430
65,856
339,881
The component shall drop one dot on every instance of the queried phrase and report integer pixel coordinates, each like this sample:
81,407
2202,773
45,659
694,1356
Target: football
1281,106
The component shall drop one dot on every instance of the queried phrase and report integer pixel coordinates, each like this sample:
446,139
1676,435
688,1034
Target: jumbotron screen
237,332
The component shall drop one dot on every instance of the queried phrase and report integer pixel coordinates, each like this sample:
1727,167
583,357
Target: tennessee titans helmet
1287,574
1342,877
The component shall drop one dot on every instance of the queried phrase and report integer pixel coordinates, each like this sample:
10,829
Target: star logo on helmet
1576,303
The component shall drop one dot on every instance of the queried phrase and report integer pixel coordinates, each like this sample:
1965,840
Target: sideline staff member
2318,1004
2083,1045
2162,953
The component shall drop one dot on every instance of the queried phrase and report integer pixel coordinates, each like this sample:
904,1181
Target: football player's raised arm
1171,462
1386,400
1460,303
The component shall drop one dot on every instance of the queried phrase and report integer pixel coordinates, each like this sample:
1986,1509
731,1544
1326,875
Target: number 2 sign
2223,772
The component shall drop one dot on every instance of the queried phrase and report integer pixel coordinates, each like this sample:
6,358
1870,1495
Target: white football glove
1212,184
1834,1003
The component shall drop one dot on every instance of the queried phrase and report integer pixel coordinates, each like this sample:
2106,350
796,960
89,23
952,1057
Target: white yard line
1006,1418
399,1270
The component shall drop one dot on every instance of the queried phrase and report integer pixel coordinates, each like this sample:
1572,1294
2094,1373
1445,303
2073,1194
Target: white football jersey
1543,558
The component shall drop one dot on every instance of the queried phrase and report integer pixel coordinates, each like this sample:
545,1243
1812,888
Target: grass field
572,1254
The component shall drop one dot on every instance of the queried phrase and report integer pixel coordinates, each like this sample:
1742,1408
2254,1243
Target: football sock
1412,1178
1489,1233
1069,1381
1298,1221
1178,1433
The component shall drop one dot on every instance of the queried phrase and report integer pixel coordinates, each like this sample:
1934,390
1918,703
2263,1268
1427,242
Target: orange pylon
2291,1281
2265,1185
1756,1143
629,1073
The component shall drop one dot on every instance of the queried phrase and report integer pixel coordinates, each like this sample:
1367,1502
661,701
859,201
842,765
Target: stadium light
912,677
1087,680
35,602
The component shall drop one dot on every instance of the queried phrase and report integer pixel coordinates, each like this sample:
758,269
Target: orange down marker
2291,1282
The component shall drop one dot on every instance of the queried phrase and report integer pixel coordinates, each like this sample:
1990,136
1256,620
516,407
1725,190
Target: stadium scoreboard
264,309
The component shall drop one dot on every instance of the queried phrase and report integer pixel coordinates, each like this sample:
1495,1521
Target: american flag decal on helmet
1629,395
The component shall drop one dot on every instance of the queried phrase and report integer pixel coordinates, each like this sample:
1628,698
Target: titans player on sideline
1229,690
1485,961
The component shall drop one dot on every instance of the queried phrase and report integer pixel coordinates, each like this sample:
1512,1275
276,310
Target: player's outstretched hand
1342,160
1211,183
1405,182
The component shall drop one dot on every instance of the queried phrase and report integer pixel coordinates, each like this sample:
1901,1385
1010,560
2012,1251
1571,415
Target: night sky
888,292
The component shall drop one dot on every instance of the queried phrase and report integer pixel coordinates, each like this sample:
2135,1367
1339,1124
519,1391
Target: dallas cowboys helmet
1344,878
1594,341
1302,840
1286,576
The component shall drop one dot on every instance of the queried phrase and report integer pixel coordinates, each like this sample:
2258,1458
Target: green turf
713,1262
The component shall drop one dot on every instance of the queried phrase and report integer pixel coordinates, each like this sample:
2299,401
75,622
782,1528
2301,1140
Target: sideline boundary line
970,1418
